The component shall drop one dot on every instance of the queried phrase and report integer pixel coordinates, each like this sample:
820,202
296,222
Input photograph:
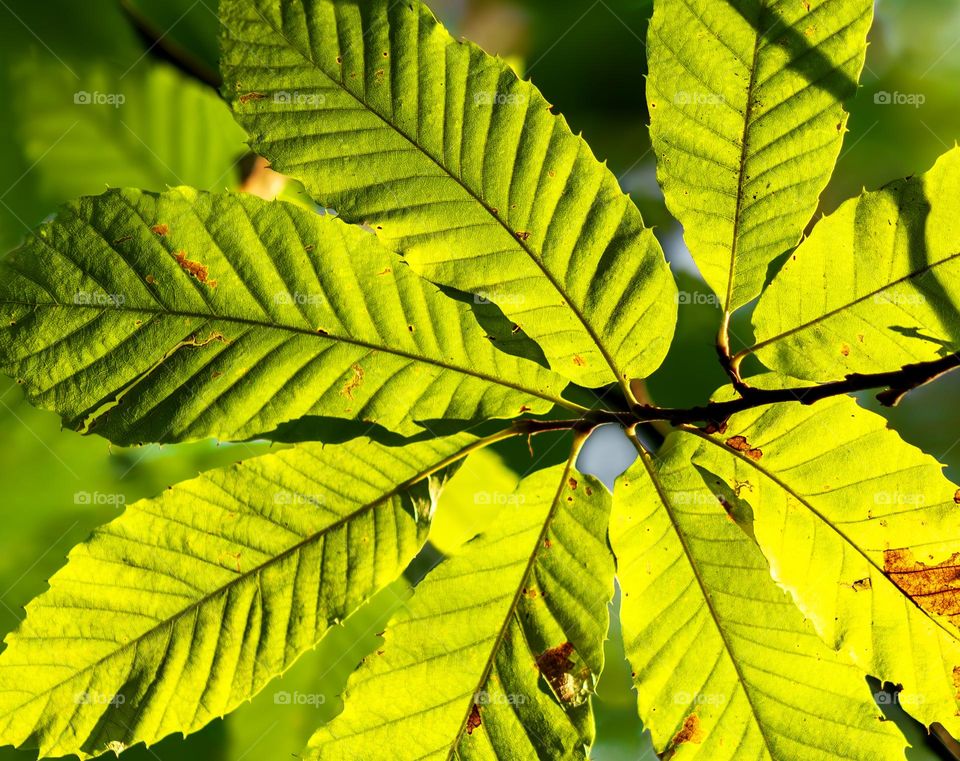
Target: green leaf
500,648
188,604
862,529
724,665
166,317
746,121
460,166
875,286
150,128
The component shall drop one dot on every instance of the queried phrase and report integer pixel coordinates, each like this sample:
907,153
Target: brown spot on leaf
579,361
956,497
522,234
385,271
690,732
571,683
524,408
247,97
861,585
715,427
160,229
935,588
572,483
589,491
354,383
845,350
956,680
196,269
151,280
740,444
473,721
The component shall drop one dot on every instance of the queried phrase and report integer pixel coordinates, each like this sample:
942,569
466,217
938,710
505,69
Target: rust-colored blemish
956,497
690,732
845,350
862,585
151,280
473,721
956,681
579,361
196,269
572,483
554,663
160,229
522,234
935,588
247,97
740,444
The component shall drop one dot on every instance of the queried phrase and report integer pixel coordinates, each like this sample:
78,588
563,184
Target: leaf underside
703,623
862,529
460,166
746,119
892,261
500,647
188,604
181,315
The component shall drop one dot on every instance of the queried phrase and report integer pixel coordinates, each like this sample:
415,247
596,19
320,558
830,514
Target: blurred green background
60,138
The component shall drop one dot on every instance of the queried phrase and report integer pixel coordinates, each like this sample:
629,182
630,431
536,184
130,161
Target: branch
896,385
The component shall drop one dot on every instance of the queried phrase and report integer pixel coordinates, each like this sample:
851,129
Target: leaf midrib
703,590
308,57
742,167
250,322
246,575
512,610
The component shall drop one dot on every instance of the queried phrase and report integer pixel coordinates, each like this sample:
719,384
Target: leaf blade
226,315
171,616
890,262
739,91
694,581
551,239
483,690
839,526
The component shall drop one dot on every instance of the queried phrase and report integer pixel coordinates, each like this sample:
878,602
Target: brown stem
896,385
